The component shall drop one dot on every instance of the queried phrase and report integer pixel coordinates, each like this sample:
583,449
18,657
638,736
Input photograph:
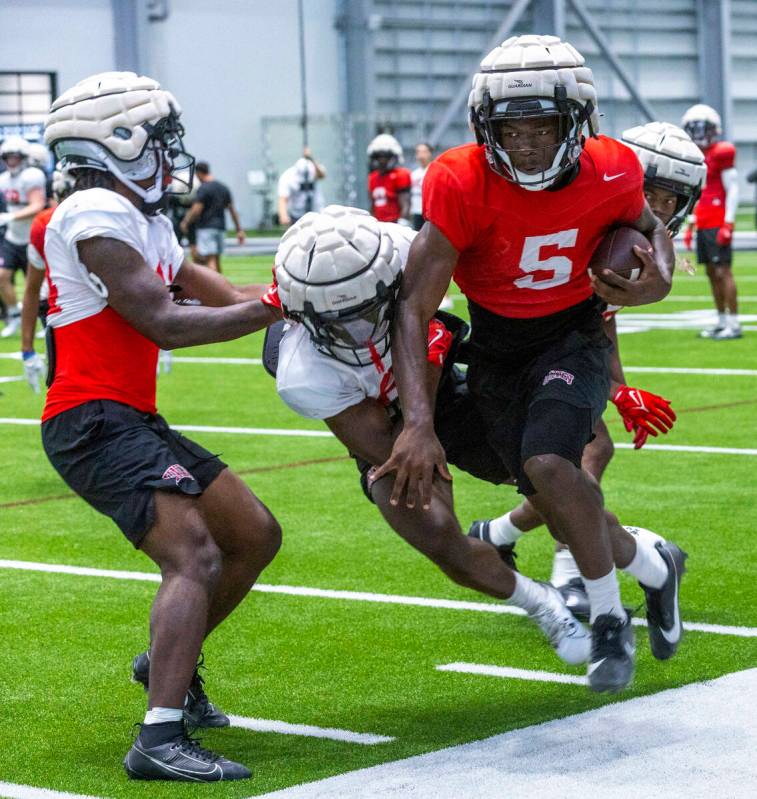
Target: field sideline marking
332,733
13,791
354,596
514,674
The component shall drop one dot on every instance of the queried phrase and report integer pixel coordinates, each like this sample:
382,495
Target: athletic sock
647,566
564,568
722,320
503,532
528,594
604,596
160,715
156,734
731,319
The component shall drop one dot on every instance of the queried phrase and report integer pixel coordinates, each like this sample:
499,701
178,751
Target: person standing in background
388,182
424,155
208,211
298,190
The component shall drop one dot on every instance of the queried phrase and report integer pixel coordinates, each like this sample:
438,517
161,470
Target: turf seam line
354,596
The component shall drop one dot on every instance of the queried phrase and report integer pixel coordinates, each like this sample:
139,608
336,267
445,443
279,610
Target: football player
714,216
388,183
674,173
23,188
515,218
113,263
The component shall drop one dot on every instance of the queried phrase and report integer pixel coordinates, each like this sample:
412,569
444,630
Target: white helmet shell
39,156
703,113
14,145
669,150
385,143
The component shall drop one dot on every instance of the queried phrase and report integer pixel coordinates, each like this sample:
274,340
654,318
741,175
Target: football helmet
39,156
702,123
384,145
533,77
338,273
15,145
670,160
124,124
63,182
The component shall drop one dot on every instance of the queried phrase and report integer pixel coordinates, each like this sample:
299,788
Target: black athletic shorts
708,249
12,256
115,457
549,402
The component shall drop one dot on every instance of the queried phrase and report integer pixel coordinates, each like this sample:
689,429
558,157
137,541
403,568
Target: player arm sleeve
444,205
730,178
112,219
633,201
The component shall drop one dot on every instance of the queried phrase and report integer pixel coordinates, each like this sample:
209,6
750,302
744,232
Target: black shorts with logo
12,256
708,249
539,385
115,457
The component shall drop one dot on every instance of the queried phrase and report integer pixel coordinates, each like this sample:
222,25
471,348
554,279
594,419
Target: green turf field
366,667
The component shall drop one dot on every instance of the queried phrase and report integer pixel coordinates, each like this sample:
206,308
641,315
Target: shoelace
607,638
555,625
192,748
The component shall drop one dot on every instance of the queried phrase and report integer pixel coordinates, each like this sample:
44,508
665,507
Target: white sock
604,596
731,319
160,715
528,594
564,568
502,531
647,566
722,319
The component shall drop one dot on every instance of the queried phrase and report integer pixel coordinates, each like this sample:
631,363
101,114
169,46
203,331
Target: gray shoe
613,653
199,711
575,597
663,611
182,759
711,332
568,637
727,333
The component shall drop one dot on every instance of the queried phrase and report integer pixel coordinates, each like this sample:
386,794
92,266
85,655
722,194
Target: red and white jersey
710,210
99,355
16,189
35,249
384,191
524,254
317,386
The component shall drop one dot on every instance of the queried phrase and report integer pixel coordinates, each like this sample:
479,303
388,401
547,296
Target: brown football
615,252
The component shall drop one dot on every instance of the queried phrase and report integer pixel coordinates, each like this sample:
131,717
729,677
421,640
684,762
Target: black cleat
613,651
575,597
480,529
663,612
199,711
181,759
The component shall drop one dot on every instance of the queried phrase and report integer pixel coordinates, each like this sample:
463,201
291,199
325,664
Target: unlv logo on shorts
558,374
176,472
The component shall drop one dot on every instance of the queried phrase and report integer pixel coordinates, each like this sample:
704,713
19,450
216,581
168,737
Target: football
615,252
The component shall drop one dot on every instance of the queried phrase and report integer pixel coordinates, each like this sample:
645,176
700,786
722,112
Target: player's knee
598,454
548,472
198,557
268,536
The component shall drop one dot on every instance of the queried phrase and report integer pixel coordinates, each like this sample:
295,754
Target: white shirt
101,212
416,189
291,184
15,189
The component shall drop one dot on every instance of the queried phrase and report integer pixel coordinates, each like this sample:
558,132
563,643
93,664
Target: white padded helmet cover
670,150
703,113
322,260
15,144
385,143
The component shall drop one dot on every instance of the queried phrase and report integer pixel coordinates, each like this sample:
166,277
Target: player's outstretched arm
417,453
138,294
656,276
212,288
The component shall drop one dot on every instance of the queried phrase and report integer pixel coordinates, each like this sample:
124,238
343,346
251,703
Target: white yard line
351,596
211,359
14,791
694,742
309,731
681,370
513,674
17,379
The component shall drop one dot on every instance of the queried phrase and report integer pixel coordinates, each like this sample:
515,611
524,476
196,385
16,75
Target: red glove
725,234
271,297
688,236
643,413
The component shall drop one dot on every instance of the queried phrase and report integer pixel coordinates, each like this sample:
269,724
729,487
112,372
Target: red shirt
524,254
384,191
710,210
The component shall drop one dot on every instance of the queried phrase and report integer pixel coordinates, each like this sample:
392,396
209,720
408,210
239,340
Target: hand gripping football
615,252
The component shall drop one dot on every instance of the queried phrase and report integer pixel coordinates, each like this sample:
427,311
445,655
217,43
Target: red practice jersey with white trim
710,210
35,249
524,254
99,355
384,192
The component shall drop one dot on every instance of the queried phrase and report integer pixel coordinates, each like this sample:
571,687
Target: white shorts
210,241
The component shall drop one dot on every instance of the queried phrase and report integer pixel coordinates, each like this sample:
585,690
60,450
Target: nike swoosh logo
594,666
674,633
608,178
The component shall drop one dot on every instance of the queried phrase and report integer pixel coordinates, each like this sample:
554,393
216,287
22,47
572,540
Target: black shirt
215,198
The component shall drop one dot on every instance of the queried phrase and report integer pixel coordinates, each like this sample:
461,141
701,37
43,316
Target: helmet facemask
686,197
534,167
702,132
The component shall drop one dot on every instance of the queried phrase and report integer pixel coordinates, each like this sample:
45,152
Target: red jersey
37,231
524,254
384,191
710,210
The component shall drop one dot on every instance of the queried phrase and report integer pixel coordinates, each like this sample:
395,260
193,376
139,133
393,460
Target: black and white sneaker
712,332
568,637
480,529
181,759
576,599
663,612
613,652
199,711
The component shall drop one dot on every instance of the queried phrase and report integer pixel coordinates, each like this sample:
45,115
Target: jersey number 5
559,265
